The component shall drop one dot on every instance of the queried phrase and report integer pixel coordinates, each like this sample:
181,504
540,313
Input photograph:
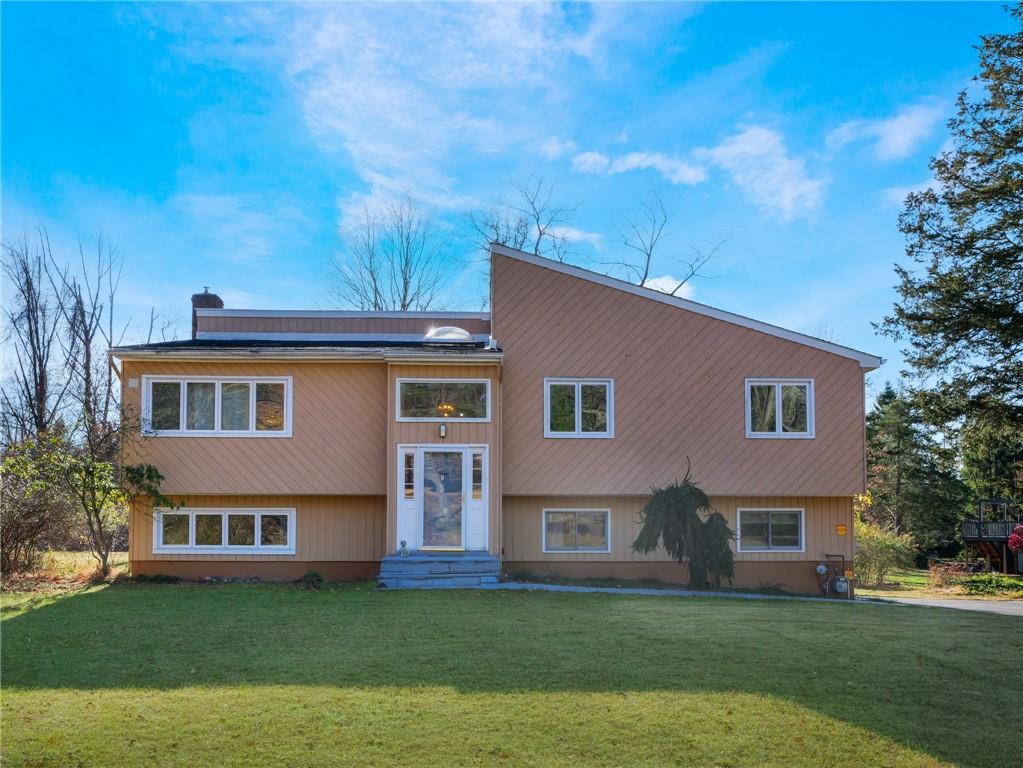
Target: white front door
442,497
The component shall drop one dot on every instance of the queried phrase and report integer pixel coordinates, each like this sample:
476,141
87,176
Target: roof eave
368,354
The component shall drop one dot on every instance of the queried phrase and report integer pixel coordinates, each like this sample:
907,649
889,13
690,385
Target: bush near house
995,584
879,551
673,520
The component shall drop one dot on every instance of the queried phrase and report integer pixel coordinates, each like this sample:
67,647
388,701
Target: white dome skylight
448,333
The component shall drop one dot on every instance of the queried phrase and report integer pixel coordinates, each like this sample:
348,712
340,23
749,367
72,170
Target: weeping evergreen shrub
673,519
716,538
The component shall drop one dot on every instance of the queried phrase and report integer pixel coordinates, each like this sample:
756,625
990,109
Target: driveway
1003,607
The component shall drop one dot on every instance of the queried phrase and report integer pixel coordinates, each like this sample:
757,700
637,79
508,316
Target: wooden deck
990,540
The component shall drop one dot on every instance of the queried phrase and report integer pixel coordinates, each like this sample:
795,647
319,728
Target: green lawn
252,675
917,583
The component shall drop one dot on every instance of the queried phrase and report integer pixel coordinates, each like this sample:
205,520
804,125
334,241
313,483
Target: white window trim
578,433
436,419
778,434
412,533
543,530
802,529
183,380
223,549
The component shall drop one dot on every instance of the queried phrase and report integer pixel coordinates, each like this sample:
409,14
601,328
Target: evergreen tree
912,481
988,459
673,518
961,298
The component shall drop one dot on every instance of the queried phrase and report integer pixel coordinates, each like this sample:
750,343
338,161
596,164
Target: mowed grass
917,583
252,675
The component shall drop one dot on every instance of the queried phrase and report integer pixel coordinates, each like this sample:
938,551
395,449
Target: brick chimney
204,300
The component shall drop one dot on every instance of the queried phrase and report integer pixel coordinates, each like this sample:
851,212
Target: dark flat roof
185,345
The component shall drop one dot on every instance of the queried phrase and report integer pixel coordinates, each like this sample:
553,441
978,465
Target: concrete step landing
427,570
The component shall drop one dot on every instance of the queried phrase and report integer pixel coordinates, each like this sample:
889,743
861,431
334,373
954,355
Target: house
523,439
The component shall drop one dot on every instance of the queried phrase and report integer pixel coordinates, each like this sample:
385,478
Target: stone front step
421,570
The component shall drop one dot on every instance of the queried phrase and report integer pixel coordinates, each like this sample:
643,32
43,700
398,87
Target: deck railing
989,530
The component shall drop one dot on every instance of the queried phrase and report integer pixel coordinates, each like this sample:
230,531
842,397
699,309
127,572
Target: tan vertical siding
338,441
459,433
523,526
346,528
679,392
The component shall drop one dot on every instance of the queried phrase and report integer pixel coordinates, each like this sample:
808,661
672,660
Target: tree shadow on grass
917,676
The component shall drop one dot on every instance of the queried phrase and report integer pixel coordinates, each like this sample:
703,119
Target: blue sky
225,145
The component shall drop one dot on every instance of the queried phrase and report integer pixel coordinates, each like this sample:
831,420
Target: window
767,530
234,531
175,529
201,405
578,407
779,408
576,530
409,481
234,406
217,406
477,475
443,400
209,530
165,404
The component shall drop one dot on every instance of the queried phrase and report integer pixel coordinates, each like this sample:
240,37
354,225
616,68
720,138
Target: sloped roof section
866,360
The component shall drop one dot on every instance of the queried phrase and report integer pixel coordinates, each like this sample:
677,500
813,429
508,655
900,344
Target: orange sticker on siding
841,530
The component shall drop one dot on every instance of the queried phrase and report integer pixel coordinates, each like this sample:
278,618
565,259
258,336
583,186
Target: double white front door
442,497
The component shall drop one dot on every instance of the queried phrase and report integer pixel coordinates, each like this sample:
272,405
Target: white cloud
235,298
893,138
406,96
237,228
673,169
667,284
756,159
555,148
896,196
574,235
760,165
240,246
591,162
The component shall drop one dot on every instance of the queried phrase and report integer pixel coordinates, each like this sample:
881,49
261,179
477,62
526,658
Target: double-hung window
770,530
217,406
576,530
232,531
578,407
779,408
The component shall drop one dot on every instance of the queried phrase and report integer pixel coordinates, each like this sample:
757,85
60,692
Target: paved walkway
1003,607
525,585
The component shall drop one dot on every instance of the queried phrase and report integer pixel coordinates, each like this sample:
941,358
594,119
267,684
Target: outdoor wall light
443,430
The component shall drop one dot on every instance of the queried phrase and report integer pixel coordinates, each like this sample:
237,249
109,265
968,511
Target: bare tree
643,233
161,326
391,260
532,223
822,331
31,402
91,467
